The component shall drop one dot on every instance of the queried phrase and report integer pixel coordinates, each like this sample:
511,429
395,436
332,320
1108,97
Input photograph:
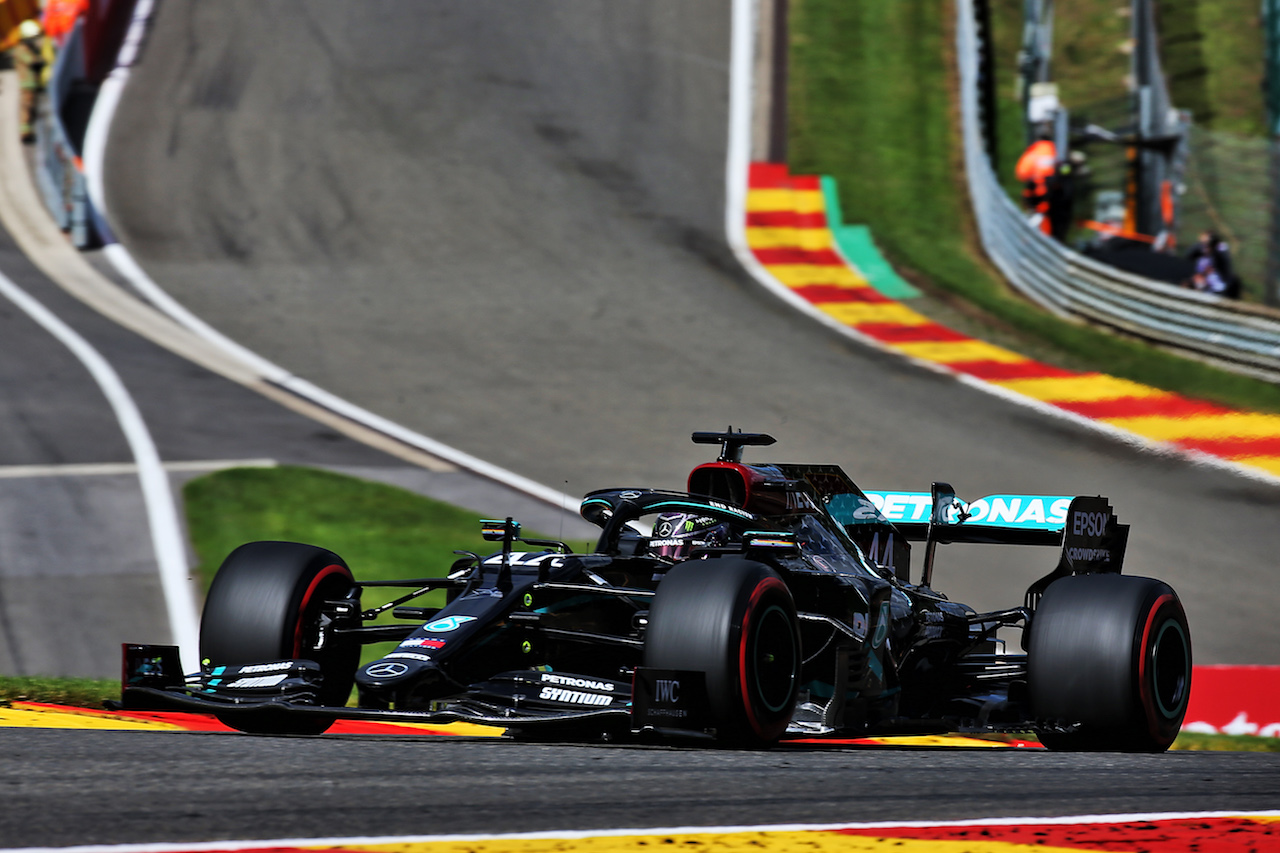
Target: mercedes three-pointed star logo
386,669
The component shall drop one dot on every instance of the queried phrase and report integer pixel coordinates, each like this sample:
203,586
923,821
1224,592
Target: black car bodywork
801,615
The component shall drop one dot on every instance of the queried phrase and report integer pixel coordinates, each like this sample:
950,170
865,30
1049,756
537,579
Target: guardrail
1234,335
58,173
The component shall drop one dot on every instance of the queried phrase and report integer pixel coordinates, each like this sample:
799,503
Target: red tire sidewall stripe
761,589
321,576
1144,683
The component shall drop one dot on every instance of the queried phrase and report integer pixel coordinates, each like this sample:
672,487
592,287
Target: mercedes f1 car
769,600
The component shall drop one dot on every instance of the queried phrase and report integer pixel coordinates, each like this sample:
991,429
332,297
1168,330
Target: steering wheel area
612,509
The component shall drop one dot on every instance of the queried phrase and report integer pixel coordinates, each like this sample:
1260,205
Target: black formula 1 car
769,600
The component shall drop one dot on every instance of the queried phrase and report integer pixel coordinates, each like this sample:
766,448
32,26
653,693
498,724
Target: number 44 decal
527,559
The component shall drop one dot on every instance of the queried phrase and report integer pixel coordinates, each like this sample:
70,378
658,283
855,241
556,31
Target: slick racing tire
264,605
1109,664
735,621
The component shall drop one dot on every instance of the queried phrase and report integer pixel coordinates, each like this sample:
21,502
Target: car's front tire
735,621
1109,664
263,605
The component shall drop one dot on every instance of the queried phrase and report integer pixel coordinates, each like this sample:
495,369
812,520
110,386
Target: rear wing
994,519
1084,527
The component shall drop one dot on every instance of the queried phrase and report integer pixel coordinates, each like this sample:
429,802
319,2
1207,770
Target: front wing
666,700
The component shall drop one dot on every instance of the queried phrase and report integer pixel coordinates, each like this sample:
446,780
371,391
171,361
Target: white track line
106,469
166,531
95,145
119,256
166,535
266,844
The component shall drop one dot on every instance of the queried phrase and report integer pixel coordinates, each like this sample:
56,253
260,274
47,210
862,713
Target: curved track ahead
500,225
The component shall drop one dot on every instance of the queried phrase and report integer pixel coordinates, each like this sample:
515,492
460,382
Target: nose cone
392,674
403,683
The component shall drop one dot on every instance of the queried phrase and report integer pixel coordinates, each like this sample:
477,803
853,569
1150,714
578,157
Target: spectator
1036,168
60,18
28,59
1061,199
1213,273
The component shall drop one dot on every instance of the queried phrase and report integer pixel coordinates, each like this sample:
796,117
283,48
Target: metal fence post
1271,25
1271,290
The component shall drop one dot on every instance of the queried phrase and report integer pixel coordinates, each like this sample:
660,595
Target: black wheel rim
773,656
1170,669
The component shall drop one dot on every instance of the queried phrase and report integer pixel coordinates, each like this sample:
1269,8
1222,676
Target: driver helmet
677,534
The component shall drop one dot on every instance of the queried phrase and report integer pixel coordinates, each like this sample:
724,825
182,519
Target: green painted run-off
859,249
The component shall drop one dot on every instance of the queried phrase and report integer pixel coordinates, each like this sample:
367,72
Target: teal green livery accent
857,246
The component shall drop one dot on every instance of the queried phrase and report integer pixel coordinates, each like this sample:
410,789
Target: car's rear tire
1109,664
735,621
263,605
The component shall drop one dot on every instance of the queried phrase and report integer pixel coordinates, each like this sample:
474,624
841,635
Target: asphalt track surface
80,787
77,568
501,225
77,571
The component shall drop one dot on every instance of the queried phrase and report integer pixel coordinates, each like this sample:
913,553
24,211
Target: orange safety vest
60,17
1036,166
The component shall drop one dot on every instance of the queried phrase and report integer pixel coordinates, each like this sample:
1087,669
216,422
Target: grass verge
76,692
871,100
383,532
1230,743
